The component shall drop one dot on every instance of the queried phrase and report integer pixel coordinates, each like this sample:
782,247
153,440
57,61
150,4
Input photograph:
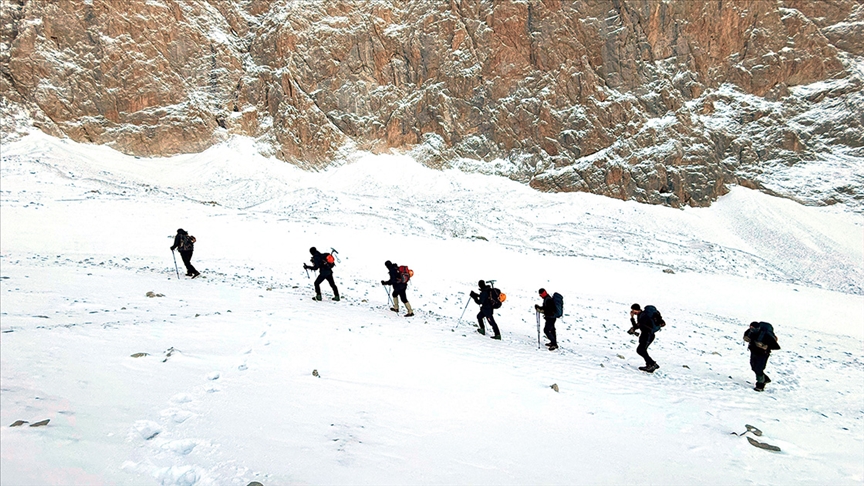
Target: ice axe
175,264
335,254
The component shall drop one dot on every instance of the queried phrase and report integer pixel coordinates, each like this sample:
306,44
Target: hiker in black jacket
185,243
400,285
648,322
325,272
762,341
485,302
549,312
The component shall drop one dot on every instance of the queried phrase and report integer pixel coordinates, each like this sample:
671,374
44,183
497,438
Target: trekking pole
388,296
465,309
175,264
539,340
307,272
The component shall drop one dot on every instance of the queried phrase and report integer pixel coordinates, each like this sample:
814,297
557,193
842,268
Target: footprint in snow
181,447
182,398
147,429
177,416
213,375
242,367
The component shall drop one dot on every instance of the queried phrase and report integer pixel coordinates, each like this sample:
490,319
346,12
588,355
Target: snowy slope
85,235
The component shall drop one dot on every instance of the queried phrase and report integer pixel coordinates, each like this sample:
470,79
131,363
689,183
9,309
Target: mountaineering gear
486,308
761,339
175,265
185,244
650,368
410,311
399,276
550,310
325,271
539,339
317,297
559,305
645,320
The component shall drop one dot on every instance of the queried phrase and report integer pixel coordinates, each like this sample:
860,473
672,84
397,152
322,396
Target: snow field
421,400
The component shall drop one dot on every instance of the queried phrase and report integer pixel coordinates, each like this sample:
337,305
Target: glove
537,308
473,294
305,267
383,283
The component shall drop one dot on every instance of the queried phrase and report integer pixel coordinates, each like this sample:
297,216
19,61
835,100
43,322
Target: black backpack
328,260
496,297
656,318
186,242
559,304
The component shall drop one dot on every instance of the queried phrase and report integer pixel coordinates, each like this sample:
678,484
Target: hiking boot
481,331
654,367
317,297
767,380
394,309
410,314
497,336
194,275
553,347
649,368
336,298
759,387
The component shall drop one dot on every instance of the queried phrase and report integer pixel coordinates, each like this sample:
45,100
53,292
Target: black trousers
186,255
758,362
487,313
549,330
329,279
399,291
645,340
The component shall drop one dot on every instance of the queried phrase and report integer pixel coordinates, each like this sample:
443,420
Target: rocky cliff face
661,101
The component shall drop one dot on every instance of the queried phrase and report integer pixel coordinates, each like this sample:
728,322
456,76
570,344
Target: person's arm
176,242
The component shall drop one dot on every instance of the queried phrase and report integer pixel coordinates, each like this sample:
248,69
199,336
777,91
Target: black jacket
320,264
482,299
761,338
184,242
548,307
645,321
395,277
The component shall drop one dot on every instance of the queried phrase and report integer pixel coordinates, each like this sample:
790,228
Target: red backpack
405,274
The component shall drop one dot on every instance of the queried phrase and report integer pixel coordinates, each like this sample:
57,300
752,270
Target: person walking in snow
549,312
185,243
484,300
648,321
323,262
400,286
762,341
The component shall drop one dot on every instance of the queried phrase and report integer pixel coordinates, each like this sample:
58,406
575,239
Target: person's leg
549,330
186,256
480,318
494,325
645,340
318,287
333,286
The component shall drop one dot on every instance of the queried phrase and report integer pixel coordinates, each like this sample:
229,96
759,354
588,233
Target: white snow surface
226,393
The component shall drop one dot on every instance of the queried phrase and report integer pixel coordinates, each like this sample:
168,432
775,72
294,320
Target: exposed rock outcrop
661,102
